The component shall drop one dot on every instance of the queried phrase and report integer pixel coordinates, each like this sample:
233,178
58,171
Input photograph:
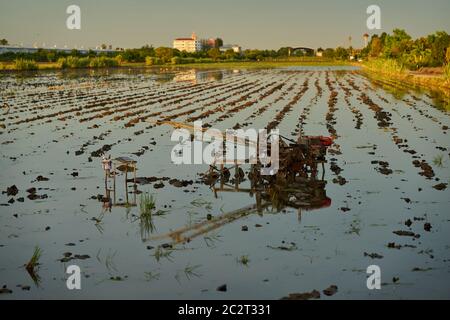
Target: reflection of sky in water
329,243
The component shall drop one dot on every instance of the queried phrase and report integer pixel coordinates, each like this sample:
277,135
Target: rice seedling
201,203
439,160
211,240
162,253
189,272
33,264
150,276
244,260
34,261
147,206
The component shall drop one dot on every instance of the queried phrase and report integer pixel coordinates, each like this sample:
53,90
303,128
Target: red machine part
326,141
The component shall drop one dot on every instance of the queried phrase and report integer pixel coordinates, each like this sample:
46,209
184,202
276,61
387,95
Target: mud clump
427,226
373,255
427,170
384,168
98,153
331,290
42,178
393,245
222,288
406,233
5,290
158,185
33,196
440,186
68,257
340,180
335,168
180,183
303,296
11,191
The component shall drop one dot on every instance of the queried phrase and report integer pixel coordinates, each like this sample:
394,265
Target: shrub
446,70
97,62
188,60
151,61
22,64
385,65
176,60
119,58
73,62
102,62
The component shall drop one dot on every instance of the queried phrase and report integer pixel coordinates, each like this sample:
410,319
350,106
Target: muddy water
57,124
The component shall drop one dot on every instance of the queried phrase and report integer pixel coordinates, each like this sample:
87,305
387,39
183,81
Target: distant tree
218,43
214,53
376,46
4,42
119,59
230,54
328,53
103,46
396,44
151,61
419,55
164,54
283,52
341,53
51,56
176,60
439,42
74,53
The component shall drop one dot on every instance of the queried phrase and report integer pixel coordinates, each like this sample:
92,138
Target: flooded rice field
381,198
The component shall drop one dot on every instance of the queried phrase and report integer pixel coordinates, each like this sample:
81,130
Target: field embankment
438,79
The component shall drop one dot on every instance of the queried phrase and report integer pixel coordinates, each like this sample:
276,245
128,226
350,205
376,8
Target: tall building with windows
191,44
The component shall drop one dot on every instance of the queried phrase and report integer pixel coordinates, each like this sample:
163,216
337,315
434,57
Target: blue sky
250,23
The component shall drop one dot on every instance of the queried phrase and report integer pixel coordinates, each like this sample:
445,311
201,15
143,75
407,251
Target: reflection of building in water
198,76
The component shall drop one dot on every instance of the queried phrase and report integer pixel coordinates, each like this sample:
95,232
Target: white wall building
191,44
234,47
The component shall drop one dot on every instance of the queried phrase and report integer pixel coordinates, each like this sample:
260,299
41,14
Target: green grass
396,71
389,66
104,62
446,71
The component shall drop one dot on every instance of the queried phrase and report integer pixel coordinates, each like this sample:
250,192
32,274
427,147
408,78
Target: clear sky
250,23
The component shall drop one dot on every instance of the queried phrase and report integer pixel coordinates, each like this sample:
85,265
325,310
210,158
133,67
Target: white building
191,44
234,47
